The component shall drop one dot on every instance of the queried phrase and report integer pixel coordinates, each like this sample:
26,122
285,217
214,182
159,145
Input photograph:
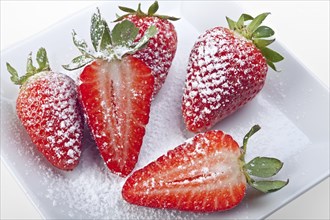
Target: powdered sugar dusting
91,192
160,52
191,176
49,110
223,74
118,123
99,195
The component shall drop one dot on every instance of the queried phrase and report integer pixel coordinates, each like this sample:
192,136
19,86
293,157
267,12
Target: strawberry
226,69
48,107
115,89
205,174
160,51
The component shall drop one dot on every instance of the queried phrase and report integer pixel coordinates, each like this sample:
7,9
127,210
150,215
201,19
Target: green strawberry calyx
151,12
261,167
261,36
109,45
31,70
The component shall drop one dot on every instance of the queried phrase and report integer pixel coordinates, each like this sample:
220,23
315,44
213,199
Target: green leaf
255,23
42,60
100,32
153,8
263,167
271,55
29,64
271,65
124,33
125,9
231,23
151,12
80,43
268,185
260,43
97,29
242,18
240,22
78,62
149,33
247,17
106,37
26,76
263,32
119,18
30,69
14,75
171,18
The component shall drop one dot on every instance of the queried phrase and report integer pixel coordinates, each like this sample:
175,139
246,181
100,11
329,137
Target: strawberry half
115,89
161,49
205,174
48,107
227,68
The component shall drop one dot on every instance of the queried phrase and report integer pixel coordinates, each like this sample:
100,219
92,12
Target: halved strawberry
48,107
161,49
115,90
116,98
206,173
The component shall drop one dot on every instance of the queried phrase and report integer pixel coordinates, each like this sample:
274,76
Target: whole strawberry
115,89
226,69
205,174
47,105
160,51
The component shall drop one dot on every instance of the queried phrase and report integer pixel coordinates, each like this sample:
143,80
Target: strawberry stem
262,167
252,131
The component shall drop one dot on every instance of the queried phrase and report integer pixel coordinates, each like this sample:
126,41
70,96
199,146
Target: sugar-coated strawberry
161,49
226,69
48,107
205,174
115,89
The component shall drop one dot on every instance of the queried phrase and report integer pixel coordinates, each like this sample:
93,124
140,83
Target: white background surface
301,26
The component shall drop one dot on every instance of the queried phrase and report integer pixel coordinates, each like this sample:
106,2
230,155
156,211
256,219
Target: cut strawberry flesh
202,175
116,97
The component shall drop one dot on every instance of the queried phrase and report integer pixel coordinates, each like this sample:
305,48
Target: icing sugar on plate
92,192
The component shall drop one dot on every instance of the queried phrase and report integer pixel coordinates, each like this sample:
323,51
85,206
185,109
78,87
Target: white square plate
293,116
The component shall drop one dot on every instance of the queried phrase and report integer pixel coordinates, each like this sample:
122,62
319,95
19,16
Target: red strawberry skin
224,72
201,175
161,49
48,108
116,97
